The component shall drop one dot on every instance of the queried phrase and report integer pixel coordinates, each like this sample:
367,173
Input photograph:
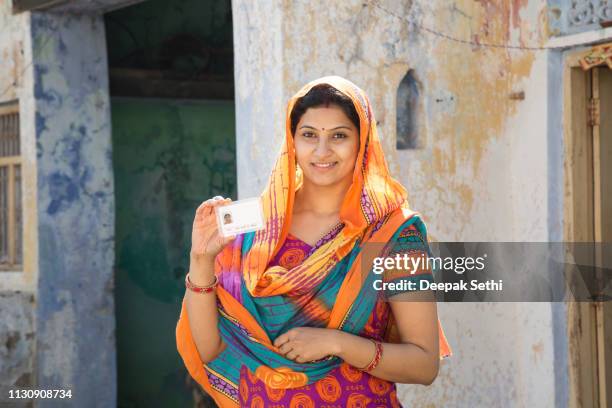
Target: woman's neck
322,201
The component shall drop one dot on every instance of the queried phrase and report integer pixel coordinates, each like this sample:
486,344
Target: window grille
11,211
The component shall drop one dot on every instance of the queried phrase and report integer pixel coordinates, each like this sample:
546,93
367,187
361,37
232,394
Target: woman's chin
322,181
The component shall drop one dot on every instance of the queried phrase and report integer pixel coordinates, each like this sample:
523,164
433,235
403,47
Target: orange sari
374,209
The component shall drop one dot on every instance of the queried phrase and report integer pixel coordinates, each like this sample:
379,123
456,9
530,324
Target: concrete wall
18,288
574,16
484,171
75,313
16,340
59,327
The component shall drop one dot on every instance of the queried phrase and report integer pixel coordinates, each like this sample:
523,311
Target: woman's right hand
206,239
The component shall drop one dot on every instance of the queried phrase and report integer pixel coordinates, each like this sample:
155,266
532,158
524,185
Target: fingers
282,339
285,348
289,348
295,356
207,207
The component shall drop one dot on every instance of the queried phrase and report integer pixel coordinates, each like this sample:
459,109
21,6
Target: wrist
200,288
201,270
200,280
201,260
336,344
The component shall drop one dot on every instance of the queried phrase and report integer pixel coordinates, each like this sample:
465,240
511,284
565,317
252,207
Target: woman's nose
322,147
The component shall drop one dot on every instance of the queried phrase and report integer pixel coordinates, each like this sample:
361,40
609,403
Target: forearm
202,310
403,363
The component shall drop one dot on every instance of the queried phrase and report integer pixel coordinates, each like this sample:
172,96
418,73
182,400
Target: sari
331,288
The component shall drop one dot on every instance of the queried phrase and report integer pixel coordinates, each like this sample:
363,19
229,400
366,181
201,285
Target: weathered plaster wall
16,85
14,32
260,92
16,339
574,16
483,173
75,310
18,288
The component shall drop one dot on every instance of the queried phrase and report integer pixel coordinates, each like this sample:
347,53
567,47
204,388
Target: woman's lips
324,166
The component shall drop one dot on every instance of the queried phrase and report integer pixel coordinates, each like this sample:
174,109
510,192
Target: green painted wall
168,157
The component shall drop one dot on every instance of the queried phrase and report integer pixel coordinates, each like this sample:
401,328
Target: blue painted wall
75,320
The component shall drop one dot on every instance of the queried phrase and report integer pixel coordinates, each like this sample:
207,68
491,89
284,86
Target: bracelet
201,289
377,357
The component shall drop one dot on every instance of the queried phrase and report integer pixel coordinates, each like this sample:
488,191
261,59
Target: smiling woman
295,322
325,129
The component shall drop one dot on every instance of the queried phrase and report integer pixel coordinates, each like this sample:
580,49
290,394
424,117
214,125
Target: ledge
586,38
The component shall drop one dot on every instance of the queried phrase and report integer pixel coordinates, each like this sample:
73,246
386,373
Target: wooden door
588,215
589,219
601,121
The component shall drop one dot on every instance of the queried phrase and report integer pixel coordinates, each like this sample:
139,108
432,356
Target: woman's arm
414,361
206,244
202,310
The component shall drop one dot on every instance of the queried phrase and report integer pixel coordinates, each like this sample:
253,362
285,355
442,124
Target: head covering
327,290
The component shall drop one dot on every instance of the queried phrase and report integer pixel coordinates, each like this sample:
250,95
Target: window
407,105
11,228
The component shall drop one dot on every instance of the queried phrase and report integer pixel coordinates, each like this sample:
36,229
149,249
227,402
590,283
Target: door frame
583,318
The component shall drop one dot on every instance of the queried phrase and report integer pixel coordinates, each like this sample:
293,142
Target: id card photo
240,216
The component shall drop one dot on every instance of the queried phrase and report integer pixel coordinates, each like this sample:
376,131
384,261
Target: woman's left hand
306,344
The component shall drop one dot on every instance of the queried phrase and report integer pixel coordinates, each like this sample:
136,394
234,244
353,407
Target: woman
289,316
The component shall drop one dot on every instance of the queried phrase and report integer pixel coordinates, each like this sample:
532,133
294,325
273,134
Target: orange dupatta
374,207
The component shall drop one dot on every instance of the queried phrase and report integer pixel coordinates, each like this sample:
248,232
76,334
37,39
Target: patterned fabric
258,301
344,386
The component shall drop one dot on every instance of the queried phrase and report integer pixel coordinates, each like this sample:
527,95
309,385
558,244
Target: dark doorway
171,76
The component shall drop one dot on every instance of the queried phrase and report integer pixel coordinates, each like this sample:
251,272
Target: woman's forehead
325,116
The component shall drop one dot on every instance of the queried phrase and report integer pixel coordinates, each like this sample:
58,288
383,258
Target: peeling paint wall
18,288
75,310
260,90
16,339
575,16
483,171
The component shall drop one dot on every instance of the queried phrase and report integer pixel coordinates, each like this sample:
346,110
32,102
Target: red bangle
201,289
377,356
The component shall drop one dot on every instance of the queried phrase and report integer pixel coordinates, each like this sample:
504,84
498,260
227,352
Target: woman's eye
308,134
339,136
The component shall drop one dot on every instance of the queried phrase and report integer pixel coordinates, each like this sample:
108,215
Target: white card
240,216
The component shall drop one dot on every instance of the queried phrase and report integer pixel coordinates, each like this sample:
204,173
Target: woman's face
326,145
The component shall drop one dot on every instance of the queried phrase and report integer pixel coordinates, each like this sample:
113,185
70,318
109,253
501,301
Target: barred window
11,217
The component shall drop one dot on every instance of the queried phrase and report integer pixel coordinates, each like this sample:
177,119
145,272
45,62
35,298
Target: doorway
173,135
588,211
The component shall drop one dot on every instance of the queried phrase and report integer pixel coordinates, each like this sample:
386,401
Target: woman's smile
324,166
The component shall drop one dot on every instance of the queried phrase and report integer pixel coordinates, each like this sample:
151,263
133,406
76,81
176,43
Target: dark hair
323,95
